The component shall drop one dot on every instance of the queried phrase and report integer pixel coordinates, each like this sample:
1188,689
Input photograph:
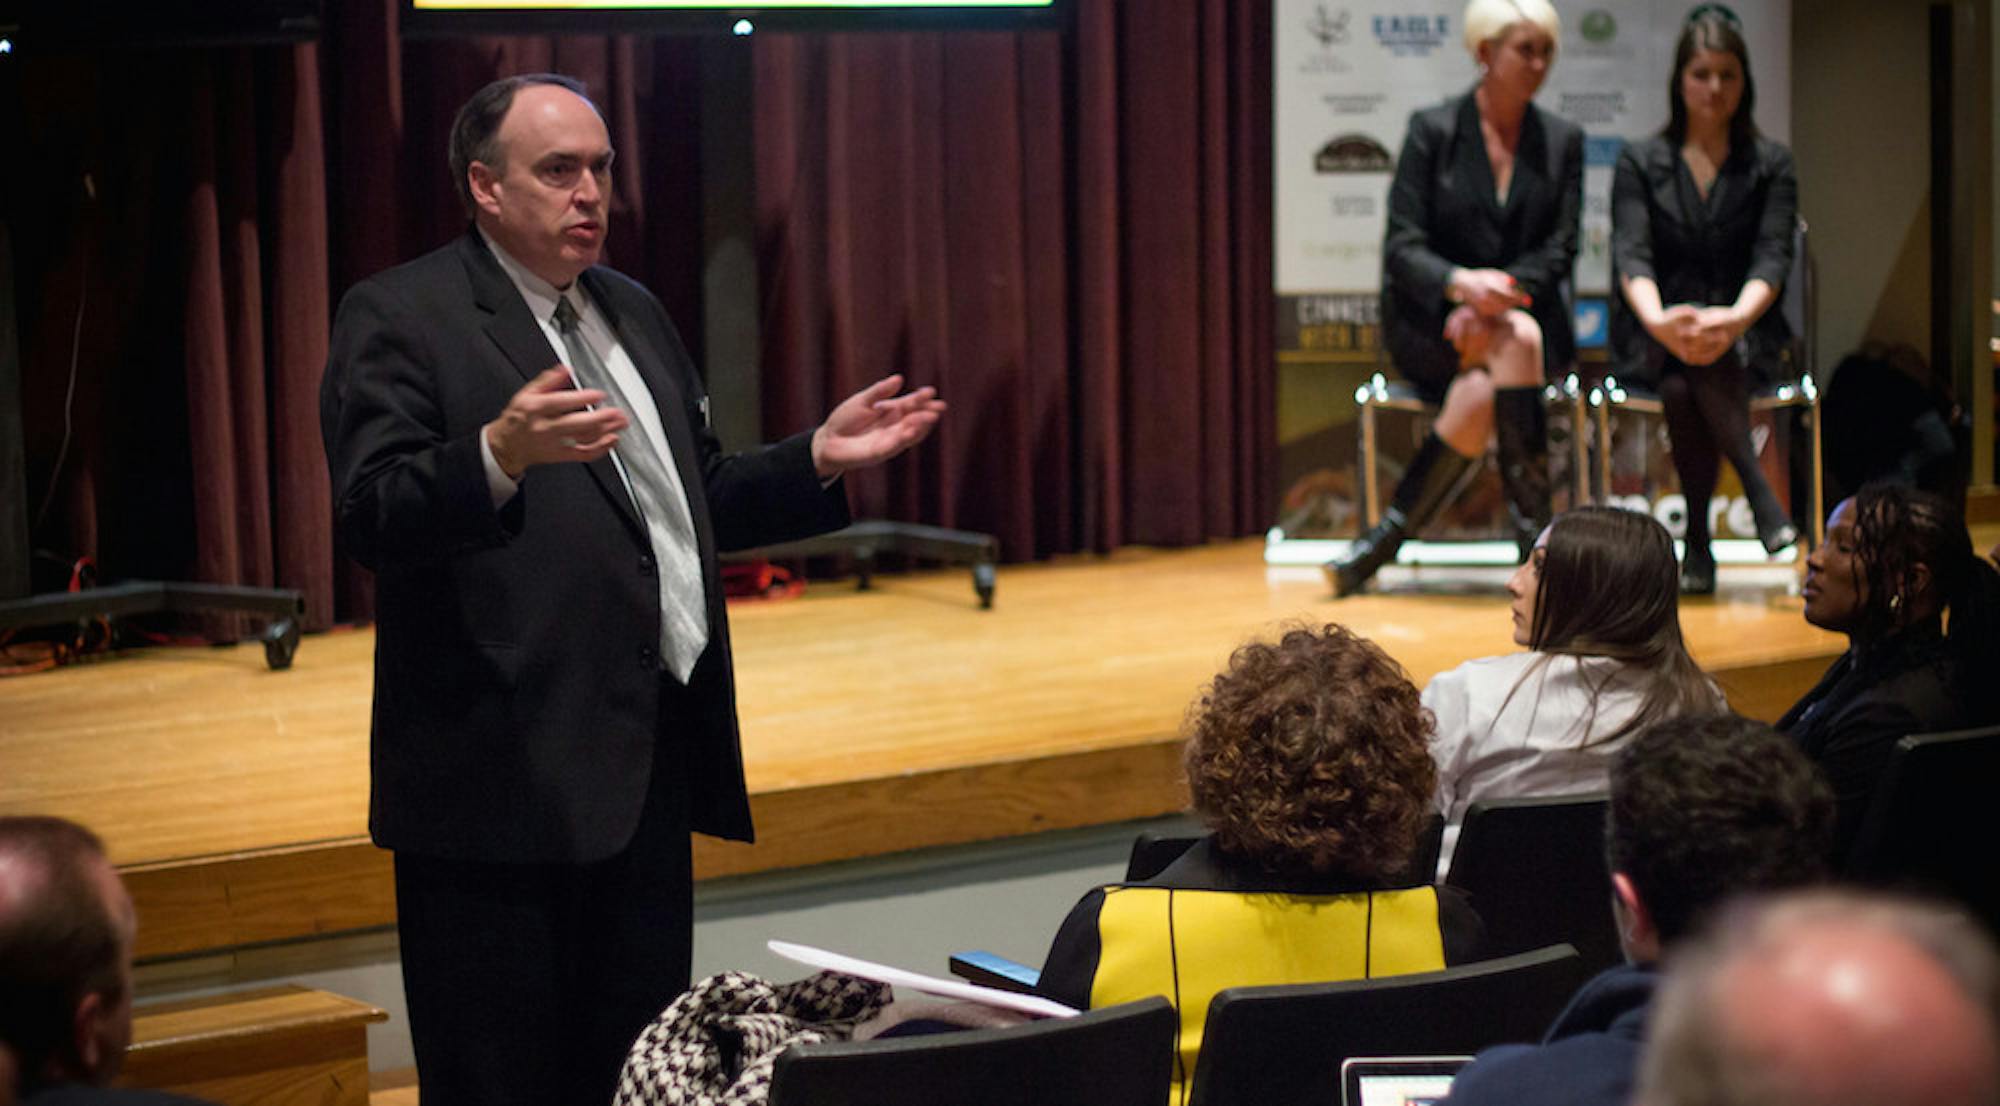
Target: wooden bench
273,1046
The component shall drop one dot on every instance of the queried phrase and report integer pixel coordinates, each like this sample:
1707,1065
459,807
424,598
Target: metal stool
1802,393
1379,392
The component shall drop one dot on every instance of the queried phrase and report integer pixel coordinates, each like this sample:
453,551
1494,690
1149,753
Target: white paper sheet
927,984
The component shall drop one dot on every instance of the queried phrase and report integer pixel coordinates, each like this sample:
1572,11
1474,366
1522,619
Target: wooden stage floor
235,798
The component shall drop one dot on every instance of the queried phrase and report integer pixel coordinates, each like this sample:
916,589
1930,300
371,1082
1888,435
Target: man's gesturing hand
549,421
873,425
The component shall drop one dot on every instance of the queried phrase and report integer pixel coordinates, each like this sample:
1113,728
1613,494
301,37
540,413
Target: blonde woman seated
1308,761
1596,603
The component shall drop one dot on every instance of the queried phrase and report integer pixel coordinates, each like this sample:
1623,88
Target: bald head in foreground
67,929
1829,999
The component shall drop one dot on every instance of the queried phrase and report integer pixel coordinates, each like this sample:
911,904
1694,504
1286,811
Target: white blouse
1508,727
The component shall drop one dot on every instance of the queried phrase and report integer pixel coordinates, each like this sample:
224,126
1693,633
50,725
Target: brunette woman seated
1596,604
1308,760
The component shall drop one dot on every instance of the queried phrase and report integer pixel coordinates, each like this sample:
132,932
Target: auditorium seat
1534,869
1117,1056
1926,827
1283,1046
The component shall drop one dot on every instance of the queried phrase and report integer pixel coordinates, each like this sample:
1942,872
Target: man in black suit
520,450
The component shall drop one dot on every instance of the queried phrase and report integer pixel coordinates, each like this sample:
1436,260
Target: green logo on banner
1598,26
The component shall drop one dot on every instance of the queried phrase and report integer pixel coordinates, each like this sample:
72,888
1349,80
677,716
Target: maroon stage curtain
1068,234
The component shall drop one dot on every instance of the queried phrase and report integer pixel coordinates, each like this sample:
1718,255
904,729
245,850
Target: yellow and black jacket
1208,922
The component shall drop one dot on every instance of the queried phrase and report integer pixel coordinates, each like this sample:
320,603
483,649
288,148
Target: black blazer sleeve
1771,257
1071,965
408,485
1631,216
1408,255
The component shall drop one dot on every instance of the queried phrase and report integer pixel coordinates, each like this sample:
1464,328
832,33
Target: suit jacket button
647,656
646,564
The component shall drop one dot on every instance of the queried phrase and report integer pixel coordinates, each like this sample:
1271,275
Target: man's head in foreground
66,931
1702,808
1828,998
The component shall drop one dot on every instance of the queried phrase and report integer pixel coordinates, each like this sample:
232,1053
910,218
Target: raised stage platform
235,798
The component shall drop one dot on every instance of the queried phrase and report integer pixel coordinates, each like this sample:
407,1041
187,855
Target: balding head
1828,999
66,931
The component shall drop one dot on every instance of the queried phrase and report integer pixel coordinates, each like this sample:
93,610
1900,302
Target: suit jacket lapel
521,341
1473,165
1530,155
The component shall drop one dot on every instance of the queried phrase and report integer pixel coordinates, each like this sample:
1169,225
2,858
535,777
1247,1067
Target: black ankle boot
1698,569
1521,425
1425,488
1775,530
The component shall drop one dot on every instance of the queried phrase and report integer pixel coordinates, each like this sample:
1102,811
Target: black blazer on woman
1870,699
1701,251
1443,214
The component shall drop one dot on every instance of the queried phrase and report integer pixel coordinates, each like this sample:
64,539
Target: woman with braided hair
1897,574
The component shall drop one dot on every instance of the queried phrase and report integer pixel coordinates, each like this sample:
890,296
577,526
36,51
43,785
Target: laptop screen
1397,1080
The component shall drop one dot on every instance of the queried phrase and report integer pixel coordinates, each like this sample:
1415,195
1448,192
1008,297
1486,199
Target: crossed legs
1708,418
1499,382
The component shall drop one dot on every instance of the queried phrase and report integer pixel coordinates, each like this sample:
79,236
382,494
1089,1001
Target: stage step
395,1087
273,1046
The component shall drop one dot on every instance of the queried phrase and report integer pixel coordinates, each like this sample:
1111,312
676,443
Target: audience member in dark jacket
1308,761
1702,808
1895,562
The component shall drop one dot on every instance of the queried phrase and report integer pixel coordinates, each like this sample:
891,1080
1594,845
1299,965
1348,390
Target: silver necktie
655,485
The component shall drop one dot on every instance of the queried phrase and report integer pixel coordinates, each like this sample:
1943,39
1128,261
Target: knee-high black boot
1521,425
1426,485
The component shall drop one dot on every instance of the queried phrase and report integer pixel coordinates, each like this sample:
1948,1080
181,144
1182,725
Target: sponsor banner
1337,326
1348,75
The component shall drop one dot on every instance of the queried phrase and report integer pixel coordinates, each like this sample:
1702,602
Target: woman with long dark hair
1702,221
1597,606
1480,242
1921,612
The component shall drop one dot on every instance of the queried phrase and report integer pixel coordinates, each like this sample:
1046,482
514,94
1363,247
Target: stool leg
1371,490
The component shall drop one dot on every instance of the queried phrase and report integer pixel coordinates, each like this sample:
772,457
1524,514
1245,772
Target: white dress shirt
541,297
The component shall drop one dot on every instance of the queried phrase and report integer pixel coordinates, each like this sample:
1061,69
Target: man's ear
485,186
1636,932
85,1036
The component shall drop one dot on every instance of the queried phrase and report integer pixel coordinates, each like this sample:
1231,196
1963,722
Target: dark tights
1708,418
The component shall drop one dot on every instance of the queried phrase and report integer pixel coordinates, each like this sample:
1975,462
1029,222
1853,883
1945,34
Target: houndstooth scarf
716,1044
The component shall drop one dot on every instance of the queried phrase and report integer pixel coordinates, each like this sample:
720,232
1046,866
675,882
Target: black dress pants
527,983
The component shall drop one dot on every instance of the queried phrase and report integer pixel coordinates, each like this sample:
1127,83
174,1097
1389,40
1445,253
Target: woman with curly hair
1597,605
1896,564
1308,761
